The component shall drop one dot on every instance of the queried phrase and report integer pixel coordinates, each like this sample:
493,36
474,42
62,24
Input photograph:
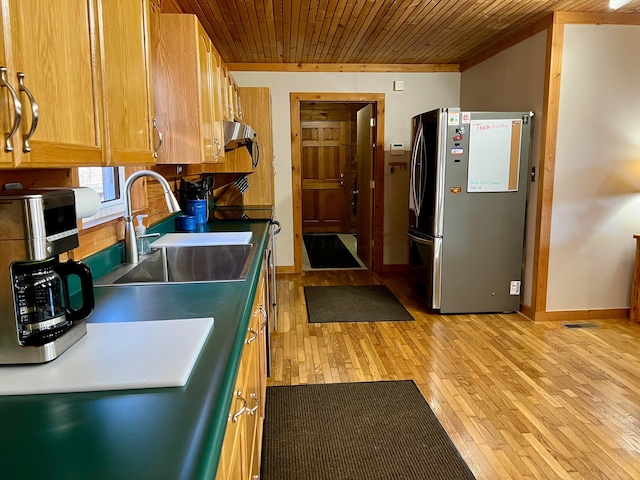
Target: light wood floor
518,399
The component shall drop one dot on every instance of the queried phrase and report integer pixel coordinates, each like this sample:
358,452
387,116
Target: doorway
338,175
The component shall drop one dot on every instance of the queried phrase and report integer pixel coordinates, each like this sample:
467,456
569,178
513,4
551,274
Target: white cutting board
202,239
116,356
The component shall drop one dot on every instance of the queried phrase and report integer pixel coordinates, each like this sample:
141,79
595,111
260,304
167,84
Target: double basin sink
188,258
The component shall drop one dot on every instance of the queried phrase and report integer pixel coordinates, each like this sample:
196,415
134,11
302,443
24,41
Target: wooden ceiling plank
319,35
321,16
258,14
338,67
286,29
356,34
331,25
312,20
463,25
305,16
221,13
251,38
342,19
207,19
269,15
441,49
414,30
352,33
389,29
294,7
278,23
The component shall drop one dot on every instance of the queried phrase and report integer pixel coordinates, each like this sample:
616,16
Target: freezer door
425,268
426,187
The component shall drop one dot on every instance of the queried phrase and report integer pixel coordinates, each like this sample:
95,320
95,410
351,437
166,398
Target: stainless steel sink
212,263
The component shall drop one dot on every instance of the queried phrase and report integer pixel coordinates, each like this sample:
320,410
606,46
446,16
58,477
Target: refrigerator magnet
453,118
457,151
455,190
466,117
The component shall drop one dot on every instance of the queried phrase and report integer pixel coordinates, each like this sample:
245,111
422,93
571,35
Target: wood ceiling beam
343,67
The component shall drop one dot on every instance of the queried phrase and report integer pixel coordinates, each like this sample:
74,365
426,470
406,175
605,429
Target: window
109,183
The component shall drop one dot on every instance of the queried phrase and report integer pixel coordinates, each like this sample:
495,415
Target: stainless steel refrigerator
467,205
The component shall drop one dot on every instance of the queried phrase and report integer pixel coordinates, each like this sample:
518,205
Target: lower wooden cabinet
242,445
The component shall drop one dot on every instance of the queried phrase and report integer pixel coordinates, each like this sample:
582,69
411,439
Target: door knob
341,184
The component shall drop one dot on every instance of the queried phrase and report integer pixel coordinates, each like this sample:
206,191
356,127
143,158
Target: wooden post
634,314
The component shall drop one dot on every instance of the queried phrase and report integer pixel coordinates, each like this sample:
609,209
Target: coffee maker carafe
37,319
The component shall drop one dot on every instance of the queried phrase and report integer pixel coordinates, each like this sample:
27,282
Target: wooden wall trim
508,42
285,269
527,311
343,67
378,99
546,167
579,315
612,18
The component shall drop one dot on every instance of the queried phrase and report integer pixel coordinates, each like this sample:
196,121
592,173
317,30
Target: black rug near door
363,303
371,430
328,251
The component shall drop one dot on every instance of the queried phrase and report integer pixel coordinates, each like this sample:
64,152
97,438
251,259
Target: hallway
518,399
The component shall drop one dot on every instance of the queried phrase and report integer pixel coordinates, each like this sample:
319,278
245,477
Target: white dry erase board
494,155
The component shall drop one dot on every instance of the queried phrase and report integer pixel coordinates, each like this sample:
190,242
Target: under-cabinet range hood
238,135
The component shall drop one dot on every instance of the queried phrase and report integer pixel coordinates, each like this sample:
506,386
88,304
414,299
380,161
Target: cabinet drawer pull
264,314
242,410
253,336
34,113
218,148
157,129
253,410
17,107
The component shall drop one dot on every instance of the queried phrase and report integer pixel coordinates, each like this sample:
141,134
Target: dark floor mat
328,251
363,303
370,430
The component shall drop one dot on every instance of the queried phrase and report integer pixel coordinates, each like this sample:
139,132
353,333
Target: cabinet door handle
34,113
243,409
17,107
218,148
155,127
253,410
253,336
264,314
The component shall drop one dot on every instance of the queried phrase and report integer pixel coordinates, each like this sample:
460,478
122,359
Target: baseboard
286,269
527,311
398,268
574,315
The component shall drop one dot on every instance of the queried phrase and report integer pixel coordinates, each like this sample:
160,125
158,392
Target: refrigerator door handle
414,195
424,241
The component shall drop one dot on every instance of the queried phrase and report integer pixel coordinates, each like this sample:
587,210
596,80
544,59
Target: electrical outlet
514,289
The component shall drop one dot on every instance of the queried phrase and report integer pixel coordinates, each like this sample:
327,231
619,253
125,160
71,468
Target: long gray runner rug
354,431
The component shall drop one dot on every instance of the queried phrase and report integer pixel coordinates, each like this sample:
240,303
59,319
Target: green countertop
161,433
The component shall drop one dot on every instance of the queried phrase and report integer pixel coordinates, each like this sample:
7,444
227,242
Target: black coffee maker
37,319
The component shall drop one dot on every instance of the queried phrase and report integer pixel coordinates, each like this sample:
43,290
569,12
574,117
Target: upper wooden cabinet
184,97
53,75
126,60
78,71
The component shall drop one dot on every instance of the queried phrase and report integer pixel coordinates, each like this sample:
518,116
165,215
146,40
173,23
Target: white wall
596,199
422,92
513,80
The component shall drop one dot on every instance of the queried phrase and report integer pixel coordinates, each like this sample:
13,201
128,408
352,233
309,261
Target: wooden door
127,79
55,47
324,155
365,191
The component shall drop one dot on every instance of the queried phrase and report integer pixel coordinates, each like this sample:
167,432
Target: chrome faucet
130,244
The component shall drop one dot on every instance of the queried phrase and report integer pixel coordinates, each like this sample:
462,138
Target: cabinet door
127,80
54,45
8,97
218,106
206,99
